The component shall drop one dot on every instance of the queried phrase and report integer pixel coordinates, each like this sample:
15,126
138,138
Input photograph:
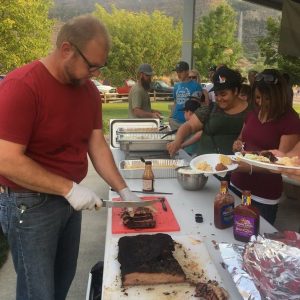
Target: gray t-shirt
138,98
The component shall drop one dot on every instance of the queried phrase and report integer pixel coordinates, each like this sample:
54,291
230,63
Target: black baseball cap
146,69
182,66
191,105
225,78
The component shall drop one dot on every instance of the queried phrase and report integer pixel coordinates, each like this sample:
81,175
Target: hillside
253,26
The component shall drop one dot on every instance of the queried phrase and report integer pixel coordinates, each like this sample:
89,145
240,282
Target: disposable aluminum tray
144,141
162,168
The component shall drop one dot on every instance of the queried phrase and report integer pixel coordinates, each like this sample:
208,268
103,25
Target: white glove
81,198
127,195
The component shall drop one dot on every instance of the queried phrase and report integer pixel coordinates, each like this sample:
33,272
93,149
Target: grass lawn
297,107
120,111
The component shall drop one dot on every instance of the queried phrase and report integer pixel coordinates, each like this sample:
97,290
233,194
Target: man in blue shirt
183,90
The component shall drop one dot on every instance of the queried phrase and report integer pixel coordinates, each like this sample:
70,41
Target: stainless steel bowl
190,181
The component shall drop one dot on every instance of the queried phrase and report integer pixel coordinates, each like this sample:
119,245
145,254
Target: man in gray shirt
139,99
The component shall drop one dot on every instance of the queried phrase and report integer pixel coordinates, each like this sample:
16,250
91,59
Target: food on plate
148,259
210,291
268,154
204,166
220,167
269,157
140,217
225,160
289,161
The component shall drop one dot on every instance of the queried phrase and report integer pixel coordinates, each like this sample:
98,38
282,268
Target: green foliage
268,46
215,39
140,38
24,32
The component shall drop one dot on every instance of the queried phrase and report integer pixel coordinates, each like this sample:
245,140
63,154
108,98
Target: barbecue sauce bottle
223,207
246,219
148,178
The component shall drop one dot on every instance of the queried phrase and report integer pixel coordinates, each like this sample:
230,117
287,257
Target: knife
142,192
109,203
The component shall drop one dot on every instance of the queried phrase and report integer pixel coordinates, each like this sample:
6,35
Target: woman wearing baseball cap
222,123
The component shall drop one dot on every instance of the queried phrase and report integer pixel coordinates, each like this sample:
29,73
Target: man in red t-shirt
50,119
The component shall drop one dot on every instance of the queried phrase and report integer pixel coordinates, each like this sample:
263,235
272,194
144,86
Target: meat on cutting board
148,259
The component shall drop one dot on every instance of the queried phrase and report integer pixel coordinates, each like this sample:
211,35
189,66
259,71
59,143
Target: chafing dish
162,168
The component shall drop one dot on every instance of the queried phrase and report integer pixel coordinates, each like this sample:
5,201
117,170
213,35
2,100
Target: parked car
104,88
125,89
161,89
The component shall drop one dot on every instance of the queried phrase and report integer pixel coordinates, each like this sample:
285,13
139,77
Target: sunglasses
192,77
267,78
92,67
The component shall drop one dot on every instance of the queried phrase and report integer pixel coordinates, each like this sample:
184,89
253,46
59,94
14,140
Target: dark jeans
43,232
267,211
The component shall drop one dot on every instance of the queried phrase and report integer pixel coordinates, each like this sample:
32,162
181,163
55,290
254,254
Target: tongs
163,128
169,133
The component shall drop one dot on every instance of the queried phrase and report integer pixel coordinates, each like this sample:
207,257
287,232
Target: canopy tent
276,4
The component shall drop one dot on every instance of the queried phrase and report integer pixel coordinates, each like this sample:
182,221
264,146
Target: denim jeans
43,232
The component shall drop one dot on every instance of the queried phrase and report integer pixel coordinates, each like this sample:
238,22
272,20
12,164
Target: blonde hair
196,72
80,30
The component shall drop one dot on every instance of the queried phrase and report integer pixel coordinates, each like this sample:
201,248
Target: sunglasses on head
267,78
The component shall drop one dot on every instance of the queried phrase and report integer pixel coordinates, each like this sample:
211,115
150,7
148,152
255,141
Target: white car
104,88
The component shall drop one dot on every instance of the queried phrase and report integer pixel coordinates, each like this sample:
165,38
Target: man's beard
145,84
72,79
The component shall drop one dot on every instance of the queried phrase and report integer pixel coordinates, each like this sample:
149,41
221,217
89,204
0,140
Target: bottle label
148,185
227,214
244,226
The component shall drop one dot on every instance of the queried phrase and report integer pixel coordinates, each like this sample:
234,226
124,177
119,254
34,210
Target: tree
140,38
268,46
24,32
215,39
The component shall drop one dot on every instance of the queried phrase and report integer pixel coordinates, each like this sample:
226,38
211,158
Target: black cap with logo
225,78
181,66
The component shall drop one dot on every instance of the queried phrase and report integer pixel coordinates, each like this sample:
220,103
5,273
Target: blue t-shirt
182,92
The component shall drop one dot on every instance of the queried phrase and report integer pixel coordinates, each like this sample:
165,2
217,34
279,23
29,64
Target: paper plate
265,165
212,160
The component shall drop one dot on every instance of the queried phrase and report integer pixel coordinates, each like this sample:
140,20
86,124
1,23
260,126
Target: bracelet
251,169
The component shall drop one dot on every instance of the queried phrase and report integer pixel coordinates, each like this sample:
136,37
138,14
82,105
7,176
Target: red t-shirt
53,120
257,137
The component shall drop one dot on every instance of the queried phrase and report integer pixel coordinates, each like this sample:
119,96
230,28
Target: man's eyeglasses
267,78
192,77
92,67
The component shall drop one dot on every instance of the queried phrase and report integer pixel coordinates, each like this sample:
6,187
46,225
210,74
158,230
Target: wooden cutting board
191,254
165,220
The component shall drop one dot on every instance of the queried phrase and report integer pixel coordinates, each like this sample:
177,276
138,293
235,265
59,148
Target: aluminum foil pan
162,168
264,269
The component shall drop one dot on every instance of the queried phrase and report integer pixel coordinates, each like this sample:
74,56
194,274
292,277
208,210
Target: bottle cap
148,162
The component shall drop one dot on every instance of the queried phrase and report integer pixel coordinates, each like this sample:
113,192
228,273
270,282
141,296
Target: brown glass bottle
223,207
246,219
148,178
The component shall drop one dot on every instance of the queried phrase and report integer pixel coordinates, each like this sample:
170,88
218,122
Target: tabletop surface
185,204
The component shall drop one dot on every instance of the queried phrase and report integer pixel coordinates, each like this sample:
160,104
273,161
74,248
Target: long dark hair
272,86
